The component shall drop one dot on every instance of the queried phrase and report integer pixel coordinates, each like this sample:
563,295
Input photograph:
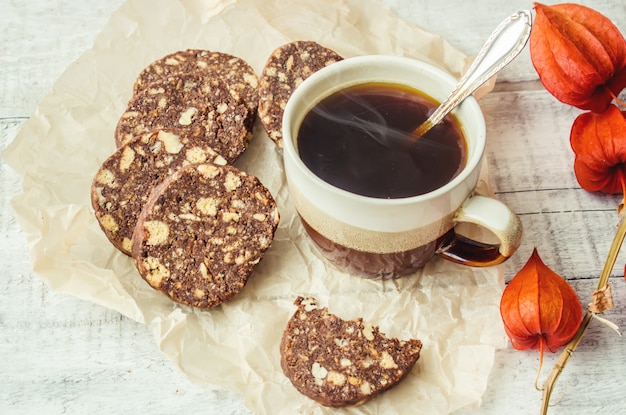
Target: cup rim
469,104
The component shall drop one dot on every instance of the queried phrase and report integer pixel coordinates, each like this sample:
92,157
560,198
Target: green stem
548,385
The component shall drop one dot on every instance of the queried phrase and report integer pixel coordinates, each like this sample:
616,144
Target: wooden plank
531,165
592,382
466,25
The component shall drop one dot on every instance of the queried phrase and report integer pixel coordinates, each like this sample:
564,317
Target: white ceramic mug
383,238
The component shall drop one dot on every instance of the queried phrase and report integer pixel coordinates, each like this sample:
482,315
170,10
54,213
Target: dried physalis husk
579,54
539,308
602,300
599,143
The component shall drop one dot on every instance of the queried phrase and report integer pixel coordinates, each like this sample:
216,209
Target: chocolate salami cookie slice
341,362
202,232
197,106
123,182
284,71
236,73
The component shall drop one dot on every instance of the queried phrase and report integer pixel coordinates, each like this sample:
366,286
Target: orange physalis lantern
539,308
599,143
579,55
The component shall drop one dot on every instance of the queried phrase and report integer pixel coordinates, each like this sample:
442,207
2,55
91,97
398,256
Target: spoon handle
504,44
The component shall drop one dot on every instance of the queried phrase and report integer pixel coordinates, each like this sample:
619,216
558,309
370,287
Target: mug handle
492,215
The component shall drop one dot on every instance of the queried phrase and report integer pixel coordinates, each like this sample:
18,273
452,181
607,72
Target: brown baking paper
452,309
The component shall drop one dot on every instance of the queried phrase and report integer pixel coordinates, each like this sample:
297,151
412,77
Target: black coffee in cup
359,139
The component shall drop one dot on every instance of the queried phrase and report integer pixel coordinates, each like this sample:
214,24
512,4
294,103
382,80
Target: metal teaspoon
502,46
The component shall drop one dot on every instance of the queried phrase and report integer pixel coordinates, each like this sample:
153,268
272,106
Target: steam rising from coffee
360,140
371,123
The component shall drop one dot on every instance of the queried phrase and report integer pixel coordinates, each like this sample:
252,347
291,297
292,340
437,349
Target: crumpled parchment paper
452,309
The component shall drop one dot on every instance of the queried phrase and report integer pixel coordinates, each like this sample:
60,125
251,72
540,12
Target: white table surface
61,355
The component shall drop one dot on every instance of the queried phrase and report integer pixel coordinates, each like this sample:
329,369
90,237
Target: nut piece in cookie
287,67
196,105
237,74
341,362
123,182
202,232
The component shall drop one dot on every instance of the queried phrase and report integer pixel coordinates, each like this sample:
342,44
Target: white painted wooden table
59,354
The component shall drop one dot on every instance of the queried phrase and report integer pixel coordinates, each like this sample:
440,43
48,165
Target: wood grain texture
532,170
61,355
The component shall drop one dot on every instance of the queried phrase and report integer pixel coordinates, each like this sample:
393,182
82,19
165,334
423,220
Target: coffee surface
359,139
